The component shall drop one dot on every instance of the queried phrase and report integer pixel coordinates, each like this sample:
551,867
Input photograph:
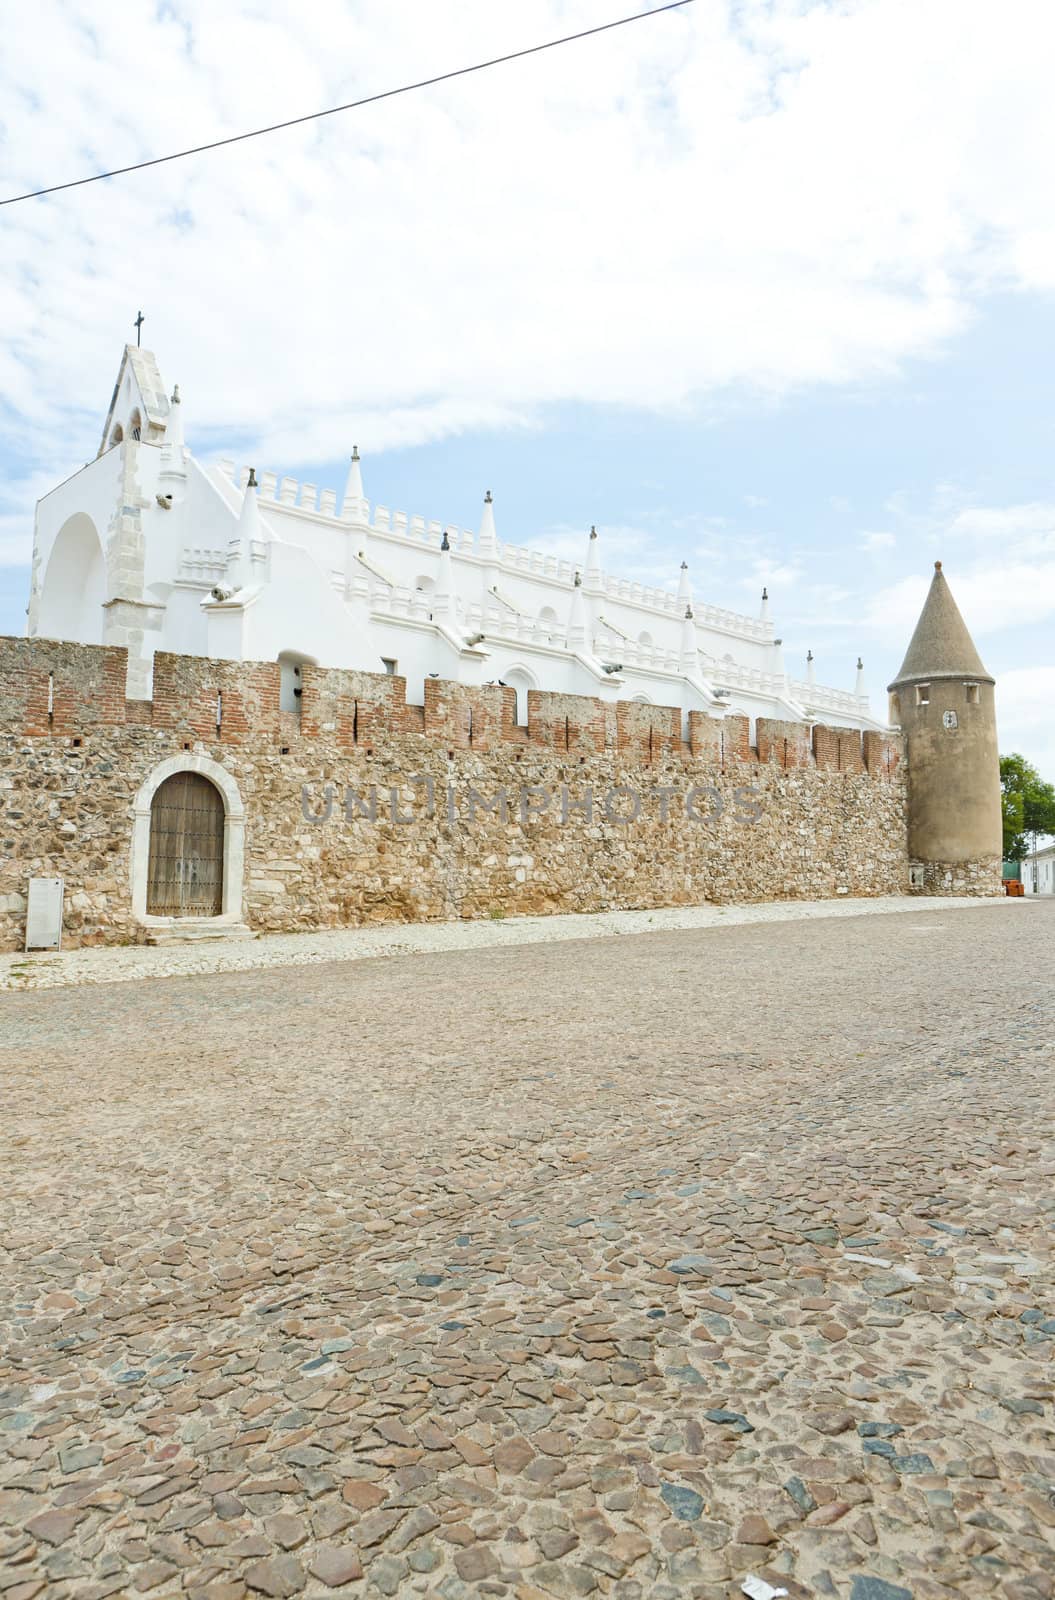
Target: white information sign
44,914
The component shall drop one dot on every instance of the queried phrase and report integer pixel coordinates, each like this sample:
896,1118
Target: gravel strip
47,970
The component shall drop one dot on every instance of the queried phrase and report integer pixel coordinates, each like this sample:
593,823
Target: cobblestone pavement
605,1268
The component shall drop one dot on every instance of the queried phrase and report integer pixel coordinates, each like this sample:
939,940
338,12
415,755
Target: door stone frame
233,839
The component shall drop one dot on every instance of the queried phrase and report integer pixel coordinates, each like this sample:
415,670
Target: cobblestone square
624,1267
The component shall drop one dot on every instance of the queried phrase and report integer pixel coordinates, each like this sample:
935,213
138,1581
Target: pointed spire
690,649
811,670
249,529
577,616
860,687
592,582
941,646
763,613
354,506
487,540
684,586
443,596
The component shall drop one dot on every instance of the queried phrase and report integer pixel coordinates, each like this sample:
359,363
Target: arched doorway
233,852
185,870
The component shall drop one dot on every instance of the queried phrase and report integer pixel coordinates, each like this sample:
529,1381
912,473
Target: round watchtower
943,701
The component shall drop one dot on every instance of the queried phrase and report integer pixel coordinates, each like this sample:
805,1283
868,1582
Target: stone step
191,930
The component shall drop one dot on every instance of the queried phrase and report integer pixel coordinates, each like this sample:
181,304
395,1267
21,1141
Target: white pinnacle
487,541
577,617
250,528
592,578
173,455
443,597
354,506
174,425
690,649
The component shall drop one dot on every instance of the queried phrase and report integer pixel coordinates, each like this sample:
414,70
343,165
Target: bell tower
943,701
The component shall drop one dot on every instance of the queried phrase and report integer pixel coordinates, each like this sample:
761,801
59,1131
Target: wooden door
186,848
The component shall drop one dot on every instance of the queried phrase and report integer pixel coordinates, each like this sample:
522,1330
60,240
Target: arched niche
71,602
520,679
233,869
290,678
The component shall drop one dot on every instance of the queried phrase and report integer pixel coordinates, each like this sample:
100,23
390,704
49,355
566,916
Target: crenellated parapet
52,689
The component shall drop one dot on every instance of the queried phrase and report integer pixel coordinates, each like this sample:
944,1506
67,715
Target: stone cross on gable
138,325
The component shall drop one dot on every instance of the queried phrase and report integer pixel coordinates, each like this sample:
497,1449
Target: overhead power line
351,105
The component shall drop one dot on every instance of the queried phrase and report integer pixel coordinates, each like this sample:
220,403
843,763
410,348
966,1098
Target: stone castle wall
983,876
363,808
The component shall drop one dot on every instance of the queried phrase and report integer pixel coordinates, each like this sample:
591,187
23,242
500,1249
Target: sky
764,285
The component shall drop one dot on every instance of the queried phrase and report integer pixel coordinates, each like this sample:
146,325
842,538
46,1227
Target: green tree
1028,804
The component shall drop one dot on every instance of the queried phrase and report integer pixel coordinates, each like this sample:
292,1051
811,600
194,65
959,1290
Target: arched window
135,425
548,620
645,639
117,437
425,585
641,699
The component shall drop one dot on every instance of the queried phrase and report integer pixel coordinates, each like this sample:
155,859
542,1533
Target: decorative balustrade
816,696
728,675
287,492
202,566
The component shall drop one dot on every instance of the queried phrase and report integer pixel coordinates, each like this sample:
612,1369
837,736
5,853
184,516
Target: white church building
150,548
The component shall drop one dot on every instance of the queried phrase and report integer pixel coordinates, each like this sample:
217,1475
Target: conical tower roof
941,647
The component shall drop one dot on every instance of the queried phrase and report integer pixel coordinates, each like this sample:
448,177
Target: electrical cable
351,105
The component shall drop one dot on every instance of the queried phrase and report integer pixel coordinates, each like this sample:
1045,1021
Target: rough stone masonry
362,808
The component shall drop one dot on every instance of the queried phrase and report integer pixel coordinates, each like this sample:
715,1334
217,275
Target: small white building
150,548
1038,870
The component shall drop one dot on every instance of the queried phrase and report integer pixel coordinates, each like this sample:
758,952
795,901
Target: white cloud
771,571
772,194
1025,529
1024,700
878,541
988,597
999,521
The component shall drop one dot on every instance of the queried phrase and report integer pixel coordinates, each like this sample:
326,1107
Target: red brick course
51,688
